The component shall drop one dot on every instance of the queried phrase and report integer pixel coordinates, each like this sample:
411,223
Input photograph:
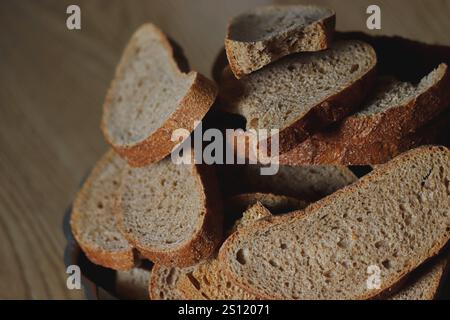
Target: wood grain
52,85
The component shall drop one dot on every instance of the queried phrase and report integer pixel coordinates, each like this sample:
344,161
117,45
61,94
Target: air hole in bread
206,281
241,256
274,263
100,205
321,70
171,277
354,68
447,185
344,243
206,296
288,113
408,220
386,264
380,244
283,246
302,253
194,281
329,274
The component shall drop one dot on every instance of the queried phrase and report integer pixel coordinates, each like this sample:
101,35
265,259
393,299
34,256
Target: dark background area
52,85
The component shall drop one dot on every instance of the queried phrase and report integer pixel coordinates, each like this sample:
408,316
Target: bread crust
373,139
208,235
193,107
122,261
226,249
286,42
153,283
118,260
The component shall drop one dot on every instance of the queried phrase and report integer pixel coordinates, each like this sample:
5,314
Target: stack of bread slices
315,229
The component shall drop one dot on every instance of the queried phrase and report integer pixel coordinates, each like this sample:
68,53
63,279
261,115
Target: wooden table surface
52,85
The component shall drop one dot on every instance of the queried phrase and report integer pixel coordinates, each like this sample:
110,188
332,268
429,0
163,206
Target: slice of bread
426,286
171,213
303,182
263,35
393,220
241,203
163,283
93,222
207,281
150,97
302,93
133,284
374,134
275,203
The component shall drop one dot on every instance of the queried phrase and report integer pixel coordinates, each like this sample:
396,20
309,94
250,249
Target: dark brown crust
193,107
120,260
226,248
275,47
206,239
374,139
